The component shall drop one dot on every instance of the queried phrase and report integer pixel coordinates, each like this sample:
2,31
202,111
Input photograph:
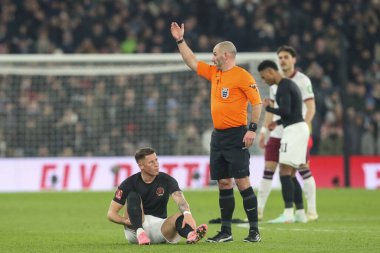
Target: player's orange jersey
230,92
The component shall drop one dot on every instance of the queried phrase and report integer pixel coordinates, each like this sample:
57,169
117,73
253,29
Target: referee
232,87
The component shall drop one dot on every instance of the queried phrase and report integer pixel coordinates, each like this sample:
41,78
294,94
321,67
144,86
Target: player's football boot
312,216
143,239
253,236
282,219
221,236
197,234
300,217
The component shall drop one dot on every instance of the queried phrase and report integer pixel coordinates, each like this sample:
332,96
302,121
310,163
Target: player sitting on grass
146,195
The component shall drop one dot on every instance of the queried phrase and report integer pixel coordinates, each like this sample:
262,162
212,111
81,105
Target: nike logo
251,209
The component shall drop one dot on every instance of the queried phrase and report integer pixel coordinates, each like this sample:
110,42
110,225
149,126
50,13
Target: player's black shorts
229,158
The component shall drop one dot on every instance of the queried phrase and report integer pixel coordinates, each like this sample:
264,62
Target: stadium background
44,116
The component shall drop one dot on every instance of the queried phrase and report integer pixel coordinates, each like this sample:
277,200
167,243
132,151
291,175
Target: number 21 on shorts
283,147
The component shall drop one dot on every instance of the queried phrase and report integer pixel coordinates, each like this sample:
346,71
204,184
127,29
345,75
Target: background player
296,132
287,60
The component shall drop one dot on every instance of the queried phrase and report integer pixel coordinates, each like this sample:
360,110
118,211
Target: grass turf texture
76,222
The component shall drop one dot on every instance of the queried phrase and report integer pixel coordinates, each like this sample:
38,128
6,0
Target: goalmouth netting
107,105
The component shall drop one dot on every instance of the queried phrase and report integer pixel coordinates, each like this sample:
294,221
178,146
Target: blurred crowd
337,42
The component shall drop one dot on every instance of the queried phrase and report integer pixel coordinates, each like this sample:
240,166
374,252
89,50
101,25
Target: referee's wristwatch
252,127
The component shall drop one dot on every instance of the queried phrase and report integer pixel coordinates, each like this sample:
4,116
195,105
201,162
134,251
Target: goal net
107,105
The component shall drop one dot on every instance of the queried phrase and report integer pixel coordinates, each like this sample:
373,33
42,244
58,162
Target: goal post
107,105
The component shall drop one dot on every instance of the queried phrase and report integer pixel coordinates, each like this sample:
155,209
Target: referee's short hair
267,64
142,153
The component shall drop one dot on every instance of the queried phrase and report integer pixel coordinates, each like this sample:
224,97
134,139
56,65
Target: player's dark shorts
272,149
229,158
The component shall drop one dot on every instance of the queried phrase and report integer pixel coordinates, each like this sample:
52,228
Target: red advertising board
365,172
101,173
328,171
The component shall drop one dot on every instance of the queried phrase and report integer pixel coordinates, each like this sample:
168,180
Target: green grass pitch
76,222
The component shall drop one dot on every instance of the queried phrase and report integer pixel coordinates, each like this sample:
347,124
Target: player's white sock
309,188
139,231
264,191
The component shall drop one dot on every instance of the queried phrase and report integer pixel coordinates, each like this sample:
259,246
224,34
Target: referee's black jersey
289,100
154,196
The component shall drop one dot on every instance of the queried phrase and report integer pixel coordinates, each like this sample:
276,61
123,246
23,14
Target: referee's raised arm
186,53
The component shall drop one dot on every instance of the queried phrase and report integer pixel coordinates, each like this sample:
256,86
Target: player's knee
243,183
226,183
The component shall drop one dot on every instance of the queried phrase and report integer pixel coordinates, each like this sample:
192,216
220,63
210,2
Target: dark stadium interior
337,43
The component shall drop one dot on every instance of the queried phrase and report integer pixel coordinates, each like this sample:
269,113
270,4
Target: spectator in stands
323,34
189,141
331,141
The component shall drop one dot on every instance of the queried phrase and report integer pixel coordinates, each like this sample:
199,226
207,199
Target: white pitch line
313,229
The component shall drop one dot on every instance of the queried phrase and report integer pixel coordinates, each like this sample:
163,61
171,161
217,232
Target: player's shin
264,190
182,231
134,209
250,207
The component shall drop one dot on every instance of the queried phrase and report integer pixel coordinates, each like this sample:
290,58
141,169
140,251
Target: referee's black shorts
229,158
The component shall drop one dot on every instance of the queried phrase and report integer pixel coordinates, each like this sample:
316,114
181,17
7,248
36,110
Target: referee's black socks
250,207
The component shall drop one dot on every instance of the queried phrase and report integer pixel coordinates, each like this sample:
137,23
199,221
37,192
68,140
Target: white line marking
312,229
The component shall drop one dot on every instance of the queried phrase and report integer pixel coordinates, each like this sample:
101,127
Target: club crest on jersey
225,92
160,191
118,194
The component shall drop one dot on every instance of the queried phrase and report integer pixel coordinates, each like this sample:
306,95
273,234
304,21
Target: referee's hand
248,139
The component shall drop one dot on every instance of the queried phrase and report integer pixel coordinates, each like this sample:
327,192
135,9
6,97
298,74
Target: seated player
146,195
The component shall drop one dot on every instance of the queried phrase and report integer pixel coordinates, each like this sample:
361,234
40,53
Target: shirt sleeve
121,193
306,88
249,87
285,101
204,70
172,184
